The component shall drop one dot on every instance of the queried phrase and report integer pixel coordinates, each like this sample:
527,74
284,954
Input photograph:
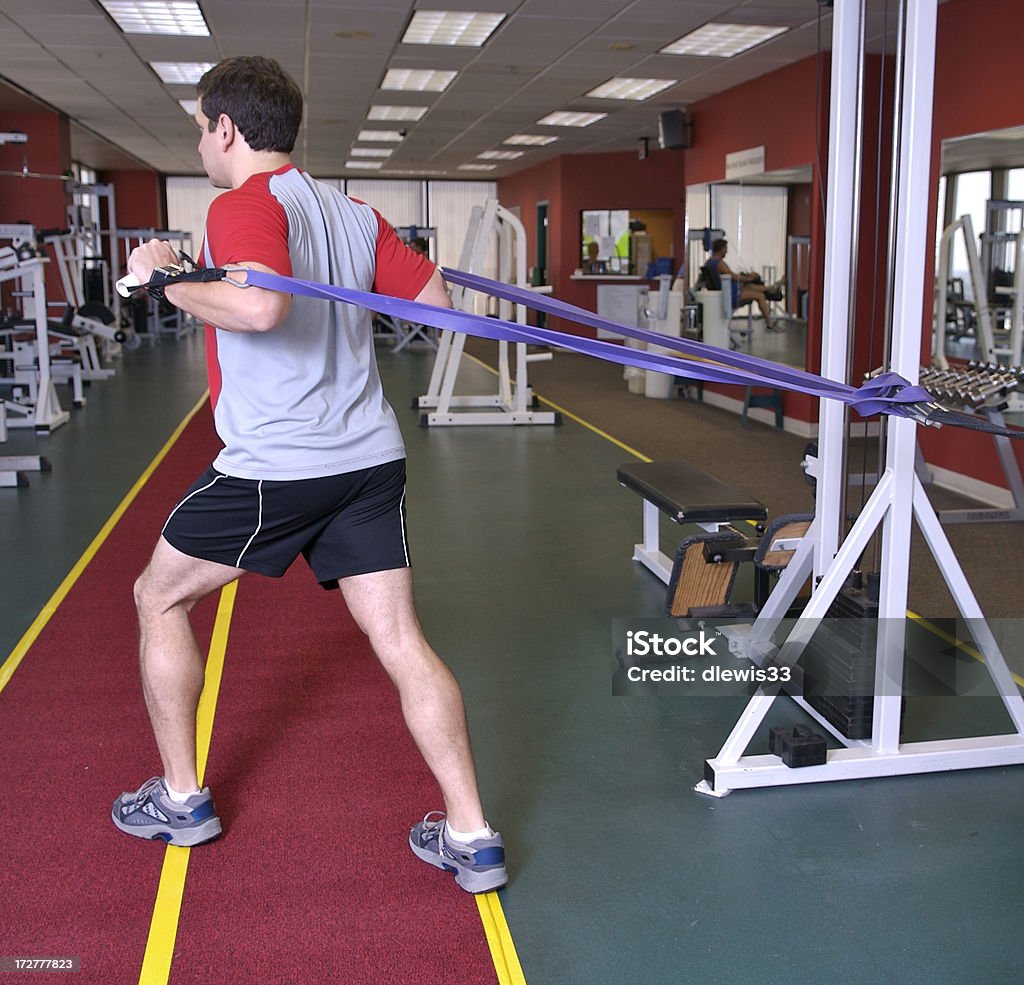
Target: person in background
745,286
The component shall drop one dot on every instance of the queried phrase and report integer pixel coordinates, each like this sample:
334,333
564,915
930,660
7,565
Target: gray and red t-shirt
305,399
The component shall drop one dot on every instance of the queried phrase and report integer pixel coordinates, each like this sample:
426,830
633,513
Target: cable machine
899,498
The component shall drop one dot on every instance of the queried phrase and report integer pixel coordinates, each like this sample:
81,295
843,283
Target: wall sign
744,162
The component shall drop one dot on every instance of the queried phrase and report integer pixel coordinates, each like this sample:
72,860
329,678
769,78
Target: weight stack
839,664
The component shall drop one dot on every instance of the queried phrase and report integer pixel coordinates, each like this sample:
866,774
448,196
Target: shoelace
434,827
146,789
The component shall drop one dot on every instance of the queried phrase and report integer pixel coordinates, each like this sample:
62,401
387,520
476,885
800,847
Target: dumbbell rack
985,389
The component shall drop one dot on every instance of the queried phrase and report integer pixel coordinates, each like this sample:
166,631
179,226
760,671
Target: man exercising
313,461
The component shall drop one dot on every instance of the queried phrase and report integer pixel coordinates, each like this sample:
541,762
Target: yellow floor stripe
11,664
959,644
163,928
595,429
503,951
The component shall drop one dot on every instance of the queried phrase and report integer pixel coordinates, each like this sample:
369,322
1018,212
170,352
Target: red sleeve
248,224
401,272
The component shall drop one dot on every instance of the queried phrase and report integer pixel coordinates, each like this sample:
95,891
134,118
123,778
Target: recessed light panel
380,137
189,105
477,167
500,155
571,119
417,79
631,88
722,40
181,73
529,139
364,165
451,27
412,113
182,17
370,152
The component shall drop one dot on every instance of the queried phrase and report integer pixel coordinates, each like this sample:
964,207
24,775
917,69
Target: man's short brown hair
261,98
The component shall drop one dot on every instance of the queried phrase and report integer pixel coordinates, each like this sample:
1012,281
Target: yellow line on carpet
959,644
10,665
595,429
499,939
492,916
163,928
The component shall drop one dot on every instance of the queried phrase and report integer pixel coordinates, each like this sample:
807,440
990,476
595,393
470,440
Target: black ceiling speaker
675,130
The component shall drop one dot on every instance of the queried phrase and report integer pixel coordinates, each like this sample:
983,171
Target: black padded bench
686,494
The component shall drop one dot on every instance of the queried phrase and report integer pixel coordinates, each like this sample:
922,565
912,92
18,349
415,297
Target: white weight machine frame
899,497
988,349
69,253
45,414
14,467
512,404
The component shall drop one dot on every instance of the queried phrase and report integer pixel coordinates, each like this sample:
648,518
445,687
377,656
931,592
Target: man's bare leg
170,662
382,605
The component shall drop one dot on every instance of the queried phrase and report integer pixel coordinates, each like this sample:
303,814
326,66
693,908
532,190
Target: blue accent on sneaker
203,811
490,856
150,813
479,866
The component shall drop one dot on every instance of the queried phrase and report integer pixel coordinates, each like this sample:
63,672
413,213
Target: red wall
138,198
139,203
42,202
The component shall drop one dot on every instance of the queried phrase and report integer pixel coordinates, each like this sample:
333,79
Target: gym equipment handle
127,284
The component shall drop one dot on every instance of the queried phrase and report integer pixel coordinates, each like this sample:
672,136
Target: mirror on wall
979,243
766,220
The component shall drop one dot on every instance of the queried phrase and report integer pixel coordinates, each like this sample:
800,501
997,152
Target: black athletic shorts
348,524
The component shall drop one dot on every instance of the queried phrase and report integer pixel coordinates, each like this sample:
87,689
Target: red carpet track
74,734
312,771
317,782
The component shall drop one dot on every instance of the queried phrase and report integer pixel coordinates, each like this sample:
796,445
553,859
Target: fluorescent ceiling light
189,105
370,152
721,40
631,88
500,155
380,136
477,167
571,119
181,73
451,27
149,17
529,139
396,113
417,79
364,165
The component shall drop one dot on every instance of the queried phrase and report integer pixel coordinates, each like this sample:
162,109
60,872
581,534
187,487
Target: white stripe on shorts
195,492
401,519
259,523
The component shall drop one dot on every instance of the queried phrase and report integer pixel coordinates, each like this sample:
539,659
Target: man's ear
226,130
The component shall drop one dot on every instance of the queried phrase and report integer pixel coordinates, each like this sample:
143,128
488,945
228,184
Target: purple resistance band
887,393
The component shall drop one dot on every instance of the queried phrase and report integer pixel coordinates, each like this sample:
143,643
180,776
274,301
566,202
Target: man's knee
150,598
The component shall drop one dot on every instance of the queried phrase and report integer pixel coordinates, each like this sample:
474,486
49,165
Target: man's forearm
250,309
